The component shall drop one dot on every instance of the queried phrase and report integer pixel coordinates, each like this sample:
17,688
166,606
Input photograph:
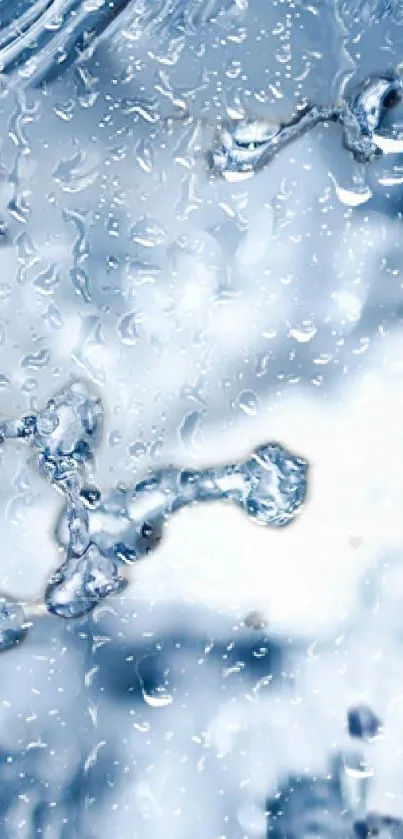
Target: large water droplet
274,485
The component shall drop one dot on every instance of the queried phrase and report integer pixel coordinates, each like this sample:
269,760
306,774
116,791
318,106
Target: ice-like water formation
244,146
100,533
82,582
364,113
247,146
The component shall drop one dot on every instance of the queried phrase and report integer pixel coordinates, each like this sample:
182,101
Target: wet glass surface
201,412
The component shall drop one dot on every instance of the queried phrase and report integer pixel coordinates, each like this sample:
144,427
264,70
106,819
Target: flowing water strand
100,534
244,147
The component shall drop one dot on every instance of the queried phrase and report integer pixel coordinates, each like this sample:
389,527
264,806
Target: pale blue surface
200,310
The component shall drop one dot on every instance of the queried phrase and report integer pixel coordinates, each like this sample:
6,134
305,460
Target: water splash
244,146
364,112
100,534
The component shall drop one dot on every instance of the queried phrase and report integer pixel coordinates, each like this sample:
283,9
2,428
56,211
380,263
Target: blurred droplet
247,402
127,329
13,624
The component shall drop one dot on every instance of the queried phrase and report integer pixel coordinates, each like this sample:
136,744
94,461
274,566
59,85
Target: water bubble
13,623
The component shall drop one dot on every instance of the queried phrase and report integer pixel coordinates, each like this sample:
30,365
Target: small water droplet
190,429
148,233
304,331
127,329
145,156
247,402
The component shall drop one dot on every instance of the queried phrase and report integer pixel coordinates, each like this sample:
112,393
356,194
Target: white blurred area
221,316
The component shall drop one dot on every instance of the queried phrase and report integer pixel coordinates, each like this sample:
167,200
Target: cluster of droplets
246,146
100,535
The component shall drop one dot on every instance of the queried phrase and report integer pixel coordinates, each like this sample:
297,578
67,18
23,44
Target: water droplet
303,332
35,361
86,352
362,722
81,282
157,699
13,623
148,233
247,402
145,156
127,329
190,429
256,620
274,485
153,682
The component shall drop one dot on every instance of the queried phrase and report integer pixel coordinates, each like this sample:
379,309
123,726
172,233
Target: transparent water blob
70,424
81,583
364,111
362,722
274,484
244,147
